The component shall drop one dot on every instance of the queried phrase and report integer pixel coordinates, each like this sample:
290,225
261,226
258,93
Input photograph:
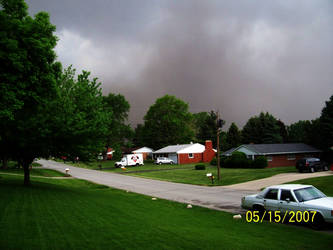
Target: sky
236,57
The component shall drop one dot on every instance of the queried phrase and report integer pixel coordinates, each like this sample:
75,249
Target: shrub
237,160
213,162
149,161
200,167
259,162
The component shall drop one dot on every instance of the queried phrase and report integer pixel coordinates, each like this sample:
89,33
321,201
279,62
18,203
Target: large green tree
326,125
299,131
27,77
119,132
205,126
43,111
168,121
233,137
261,129
78,120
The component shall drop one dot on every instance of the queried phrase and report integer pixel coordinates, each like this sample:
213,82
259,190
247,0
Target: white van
130,160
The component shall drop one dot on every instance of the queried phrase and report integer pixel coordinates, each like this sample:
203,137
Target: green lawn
228,176
187,174
75,214
324,183
34,172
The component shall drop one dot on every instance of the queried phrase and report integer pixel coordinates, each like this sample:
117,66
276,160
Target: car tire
171,163
160,163
137,164
318,222
325,168
312,170
300,170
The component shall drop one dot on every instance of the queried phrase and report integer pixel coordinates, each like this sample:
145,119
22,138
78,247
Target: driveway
218,198
276,179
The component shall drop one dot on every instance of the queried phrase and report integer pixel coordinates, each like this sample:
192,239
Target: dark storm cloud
241,57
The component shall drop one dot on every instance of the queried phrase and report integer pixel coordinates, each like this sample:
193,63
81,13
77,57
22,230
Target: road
225,198
218,198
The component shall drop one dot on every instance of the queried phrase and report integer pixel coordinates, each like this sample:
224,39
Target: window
291,157
286,194
269,158
272,194
190,155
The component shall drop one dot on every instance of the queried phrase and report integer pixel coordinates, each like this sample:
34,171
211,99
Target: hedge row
239,160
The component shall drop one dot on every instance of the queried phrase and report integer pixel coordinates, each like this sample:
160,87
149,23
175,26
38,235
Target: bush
213,162
200,167
237,160
259,162
149,161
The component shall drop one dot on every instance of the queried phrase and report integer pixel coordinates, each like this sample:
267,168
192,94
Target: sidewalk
276,180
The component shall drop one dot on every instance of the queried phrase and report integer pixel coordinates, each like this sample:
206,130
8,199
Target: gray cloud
241,57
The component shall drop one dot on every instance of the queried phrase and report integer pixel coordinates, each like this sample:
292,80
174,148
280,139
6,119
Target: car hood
325,202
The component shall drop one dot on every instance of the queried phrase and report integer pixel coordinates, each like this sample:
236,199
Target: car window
272,194
309,193
286,194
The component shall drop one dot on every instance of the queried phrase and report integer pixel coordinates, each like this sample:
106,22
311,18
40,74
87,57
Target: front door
287,201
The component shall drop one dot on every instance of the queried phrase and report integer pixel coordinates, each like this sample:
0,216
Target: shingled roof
279,148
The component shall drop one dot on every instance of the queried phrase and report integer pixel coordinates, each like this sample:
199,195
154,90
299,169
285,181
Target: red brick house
187,153
278,155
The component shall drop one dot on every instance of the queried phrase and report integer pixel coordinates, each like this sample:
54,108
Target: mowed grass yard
76,214
228,176
33,172
187,174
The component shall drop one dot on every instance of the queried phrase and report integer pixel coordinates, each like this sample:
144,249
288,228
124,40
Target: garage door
174,158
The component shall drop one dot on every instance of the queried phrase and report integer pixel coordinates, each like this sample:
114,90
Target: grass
187,174
33,172
325,184
228,176
75,214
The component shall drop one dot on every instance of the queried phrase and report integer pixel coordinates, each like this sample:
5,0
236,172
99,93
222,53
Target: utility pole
219,126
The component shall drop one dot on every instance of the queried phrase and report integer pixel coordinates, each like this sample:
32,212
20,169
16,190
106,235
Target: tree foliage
168,122
205,126
43,111
261,129
79,120
326,125
118,130
233,137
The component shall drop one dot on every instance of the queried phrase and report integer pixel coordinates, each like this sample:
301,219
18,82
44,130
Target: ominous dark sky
238,57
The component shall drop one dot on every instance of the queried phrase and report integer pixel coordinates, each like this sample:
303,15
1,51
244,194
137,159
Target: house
109,153
145,151
278,155
187,153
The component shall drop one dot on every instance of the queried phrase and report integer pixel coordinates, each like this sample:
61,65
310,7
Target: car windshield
307,194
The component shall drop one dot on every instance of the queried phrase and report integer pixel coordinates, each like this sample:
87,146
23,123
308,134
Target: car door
271,199
287,201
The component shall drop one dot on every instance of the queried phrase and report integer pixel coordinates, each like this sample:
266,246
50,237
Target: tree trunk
26,164
4,162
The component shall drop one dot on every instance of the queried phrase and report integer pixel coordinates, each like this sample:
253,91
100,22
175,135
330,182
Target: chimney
208,144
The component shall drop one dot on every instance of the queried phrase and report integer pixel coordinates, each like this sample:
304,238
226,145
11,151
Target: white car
163,160
292,197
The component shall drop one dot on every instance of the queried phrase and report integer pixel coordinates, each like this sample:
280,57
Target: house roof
143,150
278,148
182,149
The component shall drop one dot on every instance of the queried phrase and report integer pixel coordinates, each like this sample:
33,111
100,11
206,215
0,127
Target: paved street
226,198
219,198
